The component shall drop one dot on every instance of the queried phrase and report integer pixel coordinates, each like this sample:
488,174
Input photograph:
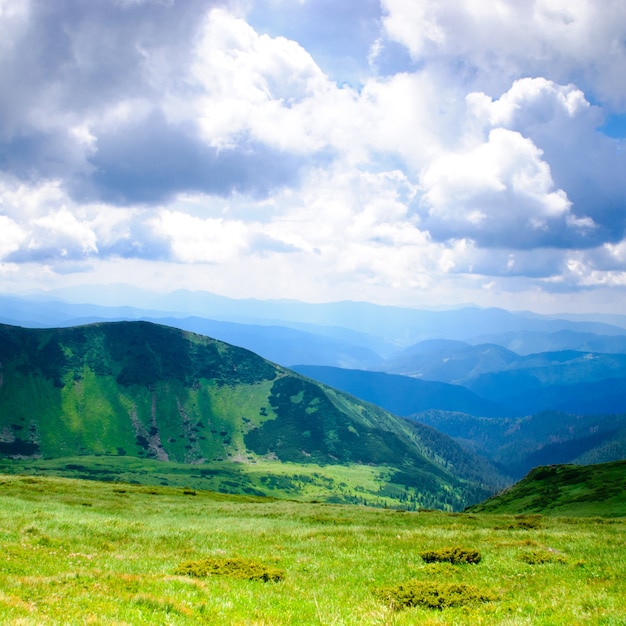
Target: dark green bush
540,557
432,595
526,522
451,555
232,567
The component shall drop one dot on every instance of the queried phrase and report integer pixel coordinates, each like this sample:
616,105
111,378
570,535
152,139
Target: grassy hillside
590,490
81,552
157,393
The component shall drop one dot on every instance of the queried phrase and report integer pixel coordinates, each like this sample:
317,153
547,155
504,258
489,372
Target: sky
408,152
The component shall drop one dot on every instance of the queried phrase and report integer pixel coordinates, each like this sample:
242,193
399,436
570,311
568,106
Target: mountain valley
486,395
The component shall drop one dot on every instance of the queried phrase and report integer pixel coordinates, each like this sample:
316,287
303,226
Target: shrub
527,522
451,555
539,557
432,595
233,567
522,522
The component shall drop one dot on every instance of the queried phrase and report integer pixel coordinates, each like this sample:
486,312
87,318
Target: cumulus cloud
583,162
497,42
150,161
338,35
268,89
441,145
195,240
11,236
499,193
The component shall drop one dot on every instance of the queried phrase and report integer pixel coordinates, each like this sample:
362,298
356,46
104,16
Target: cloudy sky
414,152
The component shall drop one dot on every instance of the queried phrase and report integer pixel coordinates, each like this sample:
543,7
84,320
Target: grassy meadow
87,552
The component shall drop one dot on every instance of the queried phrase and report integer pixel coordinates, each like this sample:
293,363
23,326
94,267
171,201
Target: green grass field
86,552
339,484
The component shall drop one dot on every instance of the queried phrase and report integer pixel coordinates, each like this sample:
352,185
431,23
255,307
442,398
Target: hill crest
155,392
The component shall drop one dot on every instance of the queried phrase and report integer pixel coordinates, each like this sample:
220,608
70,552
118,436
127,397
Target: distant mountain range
514,444
389,327
566,380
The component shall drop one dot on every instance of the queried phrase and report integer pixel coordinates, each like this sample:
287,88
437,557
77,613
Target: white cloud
585,163
11,236
62,230
499,193
268,87
195,240
24,201
501,40
532,102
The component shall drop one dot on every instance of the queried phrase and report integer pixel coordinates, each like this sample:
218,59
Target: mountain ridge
156,392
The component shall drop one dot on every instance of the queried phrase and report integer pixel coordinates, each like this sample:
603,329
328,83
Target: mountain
284,345
529,342
403,395
565,380
566,490
436,346
282,342
148,391
401,326
450,361
550,437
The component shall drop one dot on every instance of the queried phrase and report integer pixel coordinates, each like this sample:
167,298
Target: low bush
451,555
522,522
526,522
232,567
432,595
539,557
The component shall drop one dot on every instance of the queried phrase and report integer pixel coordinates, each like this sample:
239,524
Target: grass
343,484
86,552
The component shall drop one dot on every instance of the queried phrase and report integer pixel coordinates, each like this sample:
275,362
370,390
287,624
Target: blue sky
411,152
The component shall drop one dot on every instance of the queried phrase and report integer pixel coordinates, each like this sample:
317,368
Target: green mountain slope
570,490
157,393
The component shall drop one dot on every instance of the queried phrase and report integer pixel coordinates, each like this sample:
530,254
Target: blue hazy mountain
531,342
401,326
403,395
449,361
